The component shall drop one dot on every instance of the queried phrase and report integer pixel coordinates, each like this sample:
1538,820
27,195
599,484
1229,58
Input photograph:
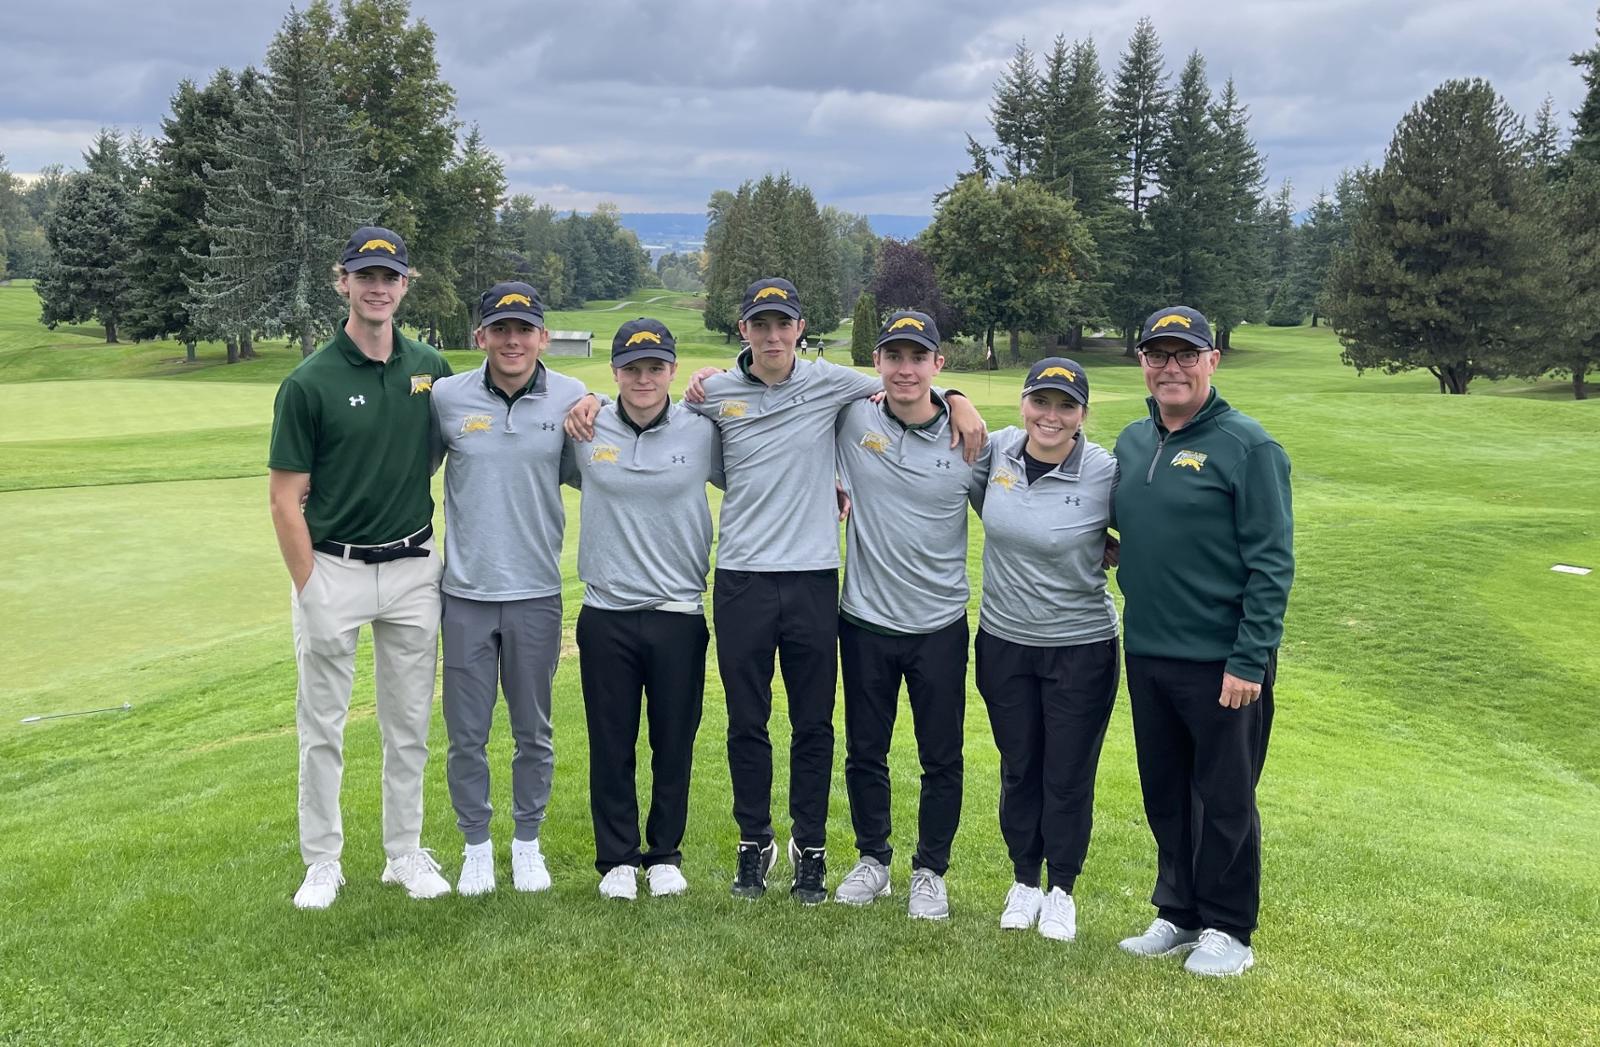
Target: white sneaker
1022,907
320,887
477,869
1219,954
864,884
418,873
1058,917
621,882
528,872
666,880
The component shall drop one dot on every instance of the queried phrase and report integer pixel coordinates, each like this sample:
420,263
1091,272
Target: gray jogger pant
515,644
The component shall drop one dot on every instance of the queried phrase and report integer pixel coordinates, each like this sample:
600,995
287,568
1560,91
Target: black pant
934,667
796,614
1049,707
620,655
1199,763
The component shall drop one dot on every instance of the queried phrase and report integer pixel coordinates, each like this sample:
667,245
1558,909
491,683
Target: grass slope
1429,802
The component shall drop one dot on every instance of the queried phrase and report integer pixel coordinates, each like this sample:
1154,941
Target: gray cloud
654,106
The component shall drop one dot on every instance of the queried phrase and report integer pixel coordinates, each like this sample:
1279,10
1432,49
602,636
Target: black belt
411,545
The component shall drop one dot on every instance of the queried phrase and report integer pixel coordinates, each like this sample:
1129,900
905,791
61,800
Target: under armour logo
798,400
357,401
1072,499
680,459
942,463
547,426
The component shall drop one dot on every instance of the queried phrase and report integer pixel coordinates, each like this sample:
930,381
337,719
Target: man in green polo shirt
350,440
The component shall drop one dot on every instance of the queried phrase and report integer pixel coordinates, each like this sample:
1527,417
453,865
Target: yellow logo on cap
421,383
772,292
732,409
1005,478
1050,372
643,336
1174,318
380,244
476,423
877,443
907,321
604,453
1189,460
514,299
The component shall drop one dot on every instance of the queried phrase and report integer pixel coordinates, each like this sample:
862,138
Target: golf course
1430,804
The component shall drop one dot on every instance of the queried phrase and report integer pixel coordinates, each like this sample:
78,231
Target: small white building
571,343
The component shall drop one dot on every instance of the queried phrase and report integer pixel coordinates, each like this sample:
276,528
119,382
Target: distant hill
662,231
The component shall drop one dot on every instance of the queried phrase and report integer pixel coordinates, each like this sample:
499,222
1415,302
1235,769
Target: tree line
224,227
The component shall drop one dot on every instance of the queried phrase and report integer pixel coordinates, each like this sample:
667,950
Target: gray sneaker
1219,954
928,898
864,884
1162,939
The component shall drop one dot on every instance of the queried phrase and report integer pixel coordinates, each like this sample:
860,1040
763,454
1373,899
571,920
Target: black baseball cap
908,325
374,245
772,295
1178,321
643,339
1057,372
512,300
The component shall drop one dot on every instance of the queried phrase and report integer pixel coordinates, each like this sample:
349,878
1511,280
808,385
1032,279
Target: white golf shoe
320,887
418,873
1022,907
528,872
666,880
1058,916
477,869
621,882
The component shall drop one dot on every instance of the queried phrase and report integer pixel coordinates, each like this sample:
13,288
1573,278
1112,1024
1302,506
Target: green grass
1429,803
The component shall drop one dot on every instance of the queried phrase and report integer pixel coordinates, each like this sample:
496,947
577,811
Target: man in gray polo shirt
644,546
903,614
500,428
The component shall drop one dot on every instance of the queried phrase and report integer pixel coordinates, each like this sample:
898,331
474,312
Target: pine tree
478,183
1576,212
863,330
88,234
279,214
1139,104
771,228
1084,150
1447,266
25,247
1188,219
1544,141
1015,115
1239,177
1586,132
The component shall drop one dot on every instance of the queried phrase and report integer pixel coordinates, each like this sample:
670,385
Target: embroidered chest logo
941,463
680,459
604,453
548,427
877,443
421,383
1005,478
357,401
1189,460
732,409
1072,499
476,423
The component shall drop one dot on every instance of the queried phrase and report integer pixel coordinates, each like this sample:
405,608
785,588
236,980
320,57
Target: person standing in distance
1047,638
1207,528
644,547
350,441
903,611
499,427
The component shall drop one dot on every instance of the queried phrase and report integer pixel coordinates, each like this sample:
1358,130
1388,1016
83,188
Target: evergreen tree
771,228
1446,268
863,330
1544,141
279,214
1188,219
1576,213
579,262
89,234
23,237
1239,176
1278,241
1016,115
1139,104
478,183
1586,133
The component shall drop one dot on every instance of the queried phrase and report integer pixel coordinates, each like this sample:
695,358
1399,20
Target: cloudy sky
653,106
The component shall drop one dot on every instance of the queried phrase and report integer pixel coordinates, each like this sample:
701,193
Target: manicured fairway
1430,802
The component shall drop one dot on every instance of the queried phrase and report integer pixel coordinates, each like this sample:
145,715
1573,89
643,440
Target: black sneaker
810,874
754,863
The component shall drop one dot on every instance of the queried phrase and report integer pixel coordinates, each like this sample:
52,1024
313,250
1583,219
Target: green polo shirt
360,428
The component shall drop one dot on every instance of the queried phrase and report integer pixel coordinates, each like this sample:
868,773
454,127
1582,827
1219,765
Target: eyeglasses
1158,358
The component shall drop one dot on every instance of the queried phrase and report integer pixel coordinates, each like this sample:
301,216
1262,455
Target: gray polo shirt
502,484
780,513
644,526
906,538
1043,585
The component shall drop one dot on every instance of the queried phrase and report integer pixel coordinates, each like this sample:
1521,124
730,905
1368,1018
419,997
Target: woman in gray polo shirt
1046,648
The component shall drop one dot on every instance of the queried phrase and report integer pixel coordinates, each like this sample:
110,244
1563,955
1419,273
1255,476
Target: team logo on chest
877,443
1005,478
1189,460
476,423
604,453
732,409
421,383
357,401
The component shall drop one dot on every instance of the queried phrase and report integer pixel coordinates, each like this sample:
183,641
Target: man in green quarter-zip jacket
1206,563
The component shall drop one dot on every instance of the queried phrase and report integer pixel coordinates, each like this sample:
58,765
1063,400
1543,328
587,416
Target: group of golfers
1198,494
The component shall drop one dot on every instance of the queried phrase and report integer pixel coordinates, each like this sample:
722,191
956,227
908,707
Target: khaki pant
400,599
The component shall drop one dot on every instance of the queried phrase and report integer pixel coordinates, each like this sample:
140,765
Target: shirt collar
931,426
535,383
659,419
347,346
